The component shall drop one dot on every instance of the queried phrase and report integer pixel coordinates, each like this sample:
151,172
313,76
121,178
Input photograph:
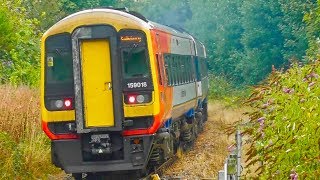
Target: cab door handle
108,85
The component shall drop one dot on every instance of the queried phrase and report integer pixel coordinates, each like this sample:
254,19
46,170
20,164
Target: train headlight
140,98
137,98
58,104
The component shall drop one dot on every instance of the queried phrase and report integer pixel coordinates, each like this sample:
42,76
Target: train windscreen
58,65
136,69
135,63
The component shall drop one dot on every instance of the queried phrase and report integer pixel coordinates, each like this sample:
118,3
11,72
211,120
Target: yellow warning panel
97,84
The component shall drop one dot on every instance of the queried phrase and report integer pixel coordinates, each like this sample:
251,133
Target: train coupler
100,144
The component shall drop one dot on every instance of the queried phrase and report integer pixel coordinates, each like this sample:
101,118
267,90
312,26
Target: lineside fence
232,167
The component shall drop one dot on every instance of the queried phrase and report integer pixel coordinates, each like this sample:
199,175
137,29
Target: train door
98,102
97,83
198,77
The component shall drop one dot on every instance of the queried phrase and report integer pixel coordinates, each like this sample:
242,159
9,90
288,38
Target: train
120,94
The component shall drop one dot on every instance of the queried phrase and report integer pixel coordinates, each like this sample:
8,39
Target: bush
285,128
19,44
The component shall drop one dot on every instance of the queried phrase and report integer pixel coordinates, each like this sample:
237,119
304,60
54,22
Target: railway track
155,175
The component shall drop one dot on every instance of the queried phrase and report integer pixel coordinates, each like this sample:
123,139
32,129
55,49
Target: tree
19,55
293,27
312,18
45,12
262,39
72,6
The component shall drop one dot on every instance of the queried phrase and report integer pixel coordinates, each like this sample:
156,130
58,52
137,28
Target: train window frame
178,70
204,69
174,70
160,69
167,70
185,74
185,70
200,68
139,43
189,69
181,70
178,66
146,61
65,90
170,70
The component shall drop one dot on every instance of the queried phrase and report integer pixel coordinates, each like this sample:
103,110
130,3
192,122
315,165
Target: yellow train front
120,93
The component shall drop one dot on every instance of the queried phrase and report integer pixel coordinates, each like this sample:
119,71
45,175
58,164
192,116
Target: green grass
221,89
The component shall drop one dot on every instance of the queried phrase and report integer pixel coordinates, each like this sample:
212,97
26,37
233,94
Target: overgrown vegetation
285,129
24,149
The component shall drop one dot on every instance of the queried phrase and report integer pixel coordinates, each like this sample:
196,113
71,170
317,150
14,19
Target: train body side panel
178,99
161,45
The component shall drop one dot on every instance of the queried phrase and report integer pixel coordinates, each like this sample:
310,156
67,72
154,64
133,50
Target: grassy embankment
24,149
227,93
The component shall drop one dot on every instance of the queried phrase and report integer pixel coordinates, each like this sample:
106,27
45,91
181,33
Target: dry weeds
24,149
19,112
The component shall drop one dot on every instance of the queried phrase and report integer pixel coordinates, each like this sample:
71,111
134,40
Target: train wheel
200,120
179,152
205,112
195,129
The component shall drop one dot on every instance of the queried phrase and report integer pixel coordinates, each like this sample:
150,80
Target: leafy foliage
20,57
284,130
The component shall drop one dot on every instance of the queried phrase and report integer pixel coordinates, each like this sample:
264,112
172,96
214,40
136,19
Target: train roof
123,15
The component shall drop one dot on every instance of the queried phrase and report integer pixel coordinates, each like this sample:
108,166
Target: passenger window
190,69
186,72
175,70
178,70
181,70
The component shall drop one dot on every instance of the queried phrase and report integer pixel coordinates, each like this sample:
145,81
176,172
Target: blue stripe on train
190,113
168,123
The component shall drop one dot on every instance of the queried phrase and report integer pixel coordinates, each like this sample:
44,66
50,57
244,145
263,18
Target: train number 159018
137,85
